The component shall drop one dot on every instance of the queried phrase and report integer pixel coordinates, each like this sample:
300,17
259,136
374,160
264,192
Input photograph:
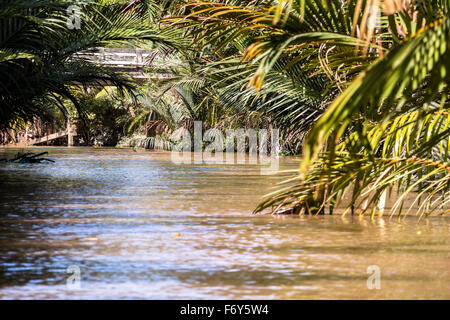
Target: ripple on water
139,226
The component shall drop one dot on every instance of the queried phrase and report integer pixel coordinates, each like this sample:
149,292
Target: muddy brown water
136,225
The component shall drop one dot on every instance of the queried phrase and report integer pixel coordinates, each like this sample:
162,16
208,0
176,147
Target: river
137,225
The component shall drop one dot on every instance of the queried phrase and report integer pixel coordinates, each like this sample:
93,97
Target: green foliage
367,85
359,87
103,120
36,51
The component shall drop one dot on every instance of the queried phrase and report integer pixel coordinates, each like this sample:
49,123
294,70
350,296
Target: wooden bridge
133,62
70,132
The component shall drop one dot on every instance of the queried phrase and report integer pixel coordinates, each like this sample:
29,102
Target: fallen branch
28,158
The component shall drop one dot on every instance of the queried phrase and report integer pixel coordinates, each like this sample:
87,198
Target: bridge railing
135,58
131,61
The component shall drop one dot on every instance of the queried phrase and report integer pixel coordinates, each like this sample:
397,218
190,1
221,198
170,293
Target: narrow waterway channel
137,225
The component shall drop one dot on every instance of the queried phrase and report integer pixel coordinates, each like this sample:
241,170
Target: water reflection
140,226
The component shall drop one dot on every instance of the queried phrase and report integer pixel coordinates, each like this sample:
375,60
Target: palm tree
375,74
37,64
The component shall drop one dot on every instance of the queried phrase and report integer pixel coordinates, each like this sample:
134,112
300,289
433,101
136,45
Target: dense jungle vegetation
358,88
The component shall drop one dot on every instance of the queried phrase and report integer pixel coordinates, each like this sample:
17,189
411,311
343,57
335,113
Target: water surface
139,226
